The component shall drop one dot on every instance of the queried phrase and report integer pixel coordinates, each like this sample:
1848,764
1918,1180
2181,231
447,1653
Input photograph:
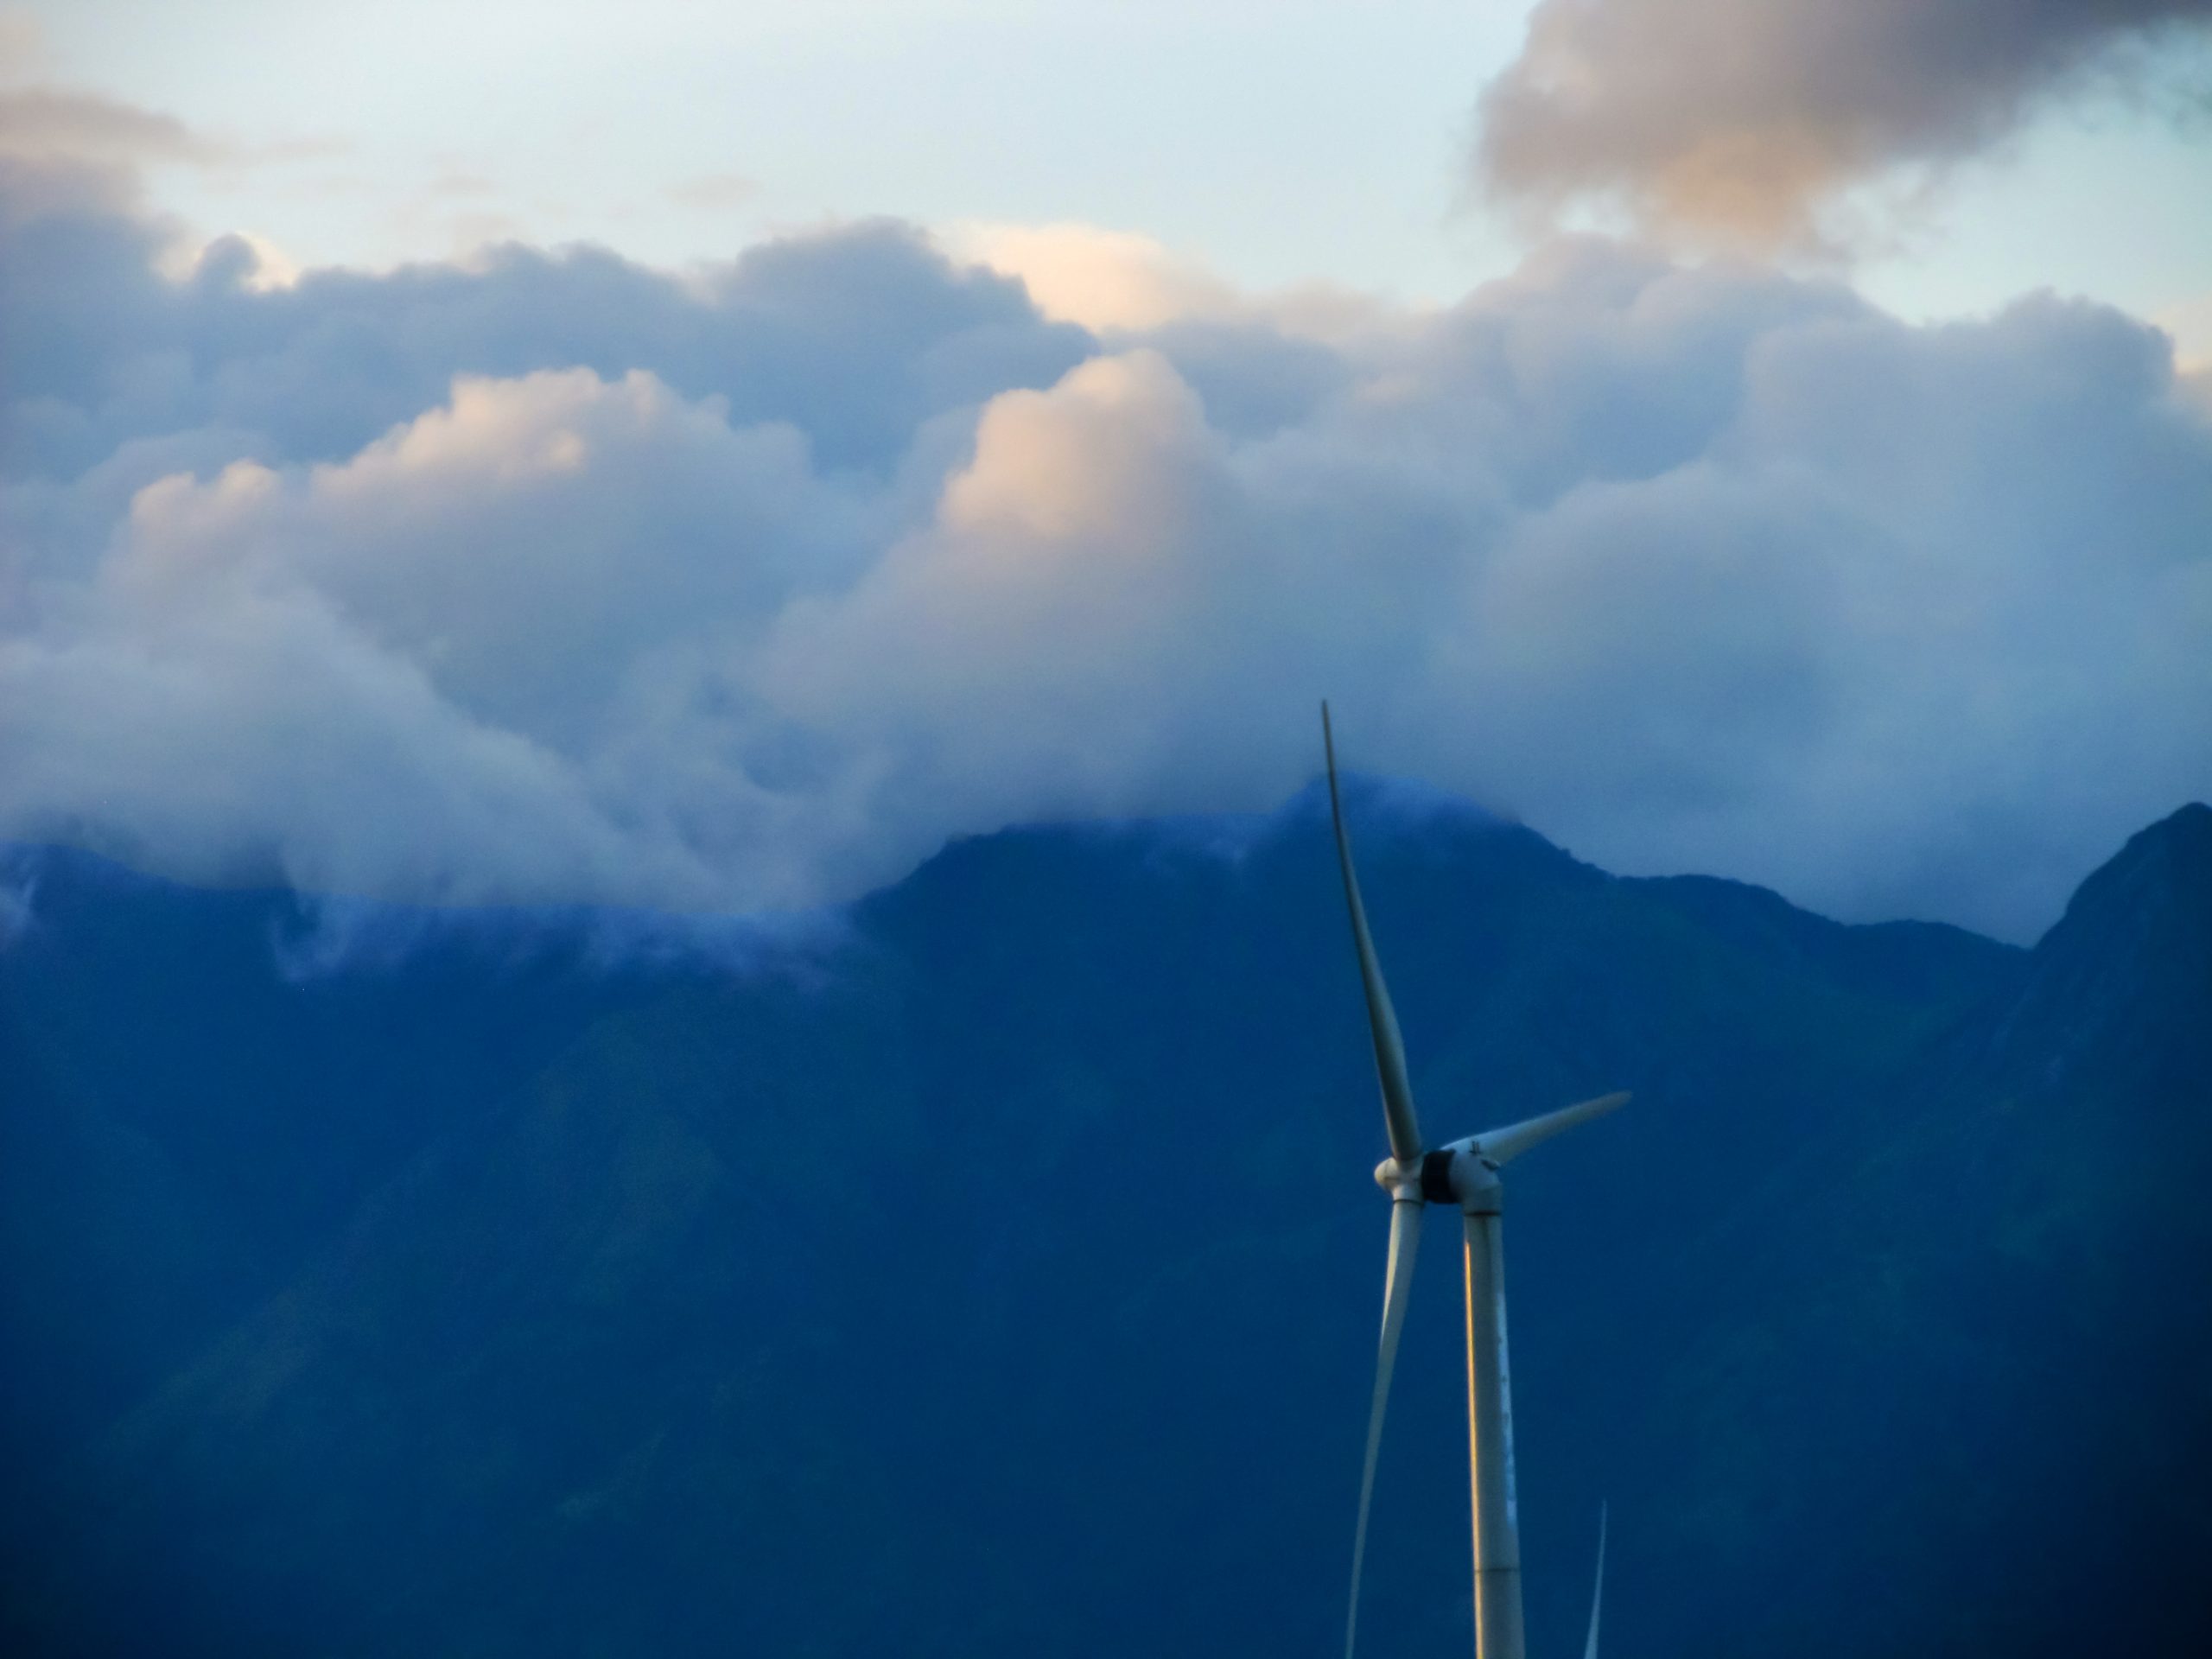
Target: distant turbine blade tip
1597,1592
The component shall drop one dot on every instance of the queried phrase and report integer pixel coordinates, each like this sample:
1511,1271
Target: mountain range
993,1268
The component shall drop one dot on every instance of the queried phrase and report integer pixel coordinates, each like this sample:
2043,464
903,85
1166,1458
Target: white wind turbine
1465,1173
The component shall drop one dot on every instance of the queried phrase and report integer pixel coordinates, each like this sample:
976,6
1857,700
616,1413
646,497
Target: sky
706,456
1276,145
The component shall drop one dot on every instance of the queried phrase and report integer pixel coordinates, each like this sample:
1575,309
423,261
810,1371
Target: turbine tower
1463,1173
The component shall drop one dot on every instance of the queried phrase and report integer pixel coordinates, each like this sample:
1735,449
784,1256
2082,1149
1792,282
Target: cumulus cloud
858,336
1098,279
2189,323
557,580
1119,282
1741,117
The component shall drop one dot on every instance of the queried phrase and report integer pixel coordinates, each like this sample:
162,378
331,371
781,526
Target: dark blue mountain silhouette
997,1272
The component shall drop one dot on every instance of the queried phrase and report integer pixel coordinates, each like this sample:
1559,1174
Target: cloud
561,580
72,165
50,124
43,123
17,896
855,335
64,150
2189,323
236,258
1099,279
1120,283
1742,118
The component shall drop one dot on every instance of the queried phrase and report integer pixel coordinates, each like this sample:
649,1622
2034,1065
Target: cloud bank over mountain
1740,117
558,578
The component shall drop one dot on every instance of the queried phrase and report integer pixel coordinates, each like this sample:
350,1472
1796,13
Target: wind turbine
1464,1172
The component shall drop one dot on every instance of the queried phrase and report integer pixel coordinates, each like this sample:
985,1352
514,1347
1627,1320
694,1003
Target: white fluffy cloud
557,580
1097,278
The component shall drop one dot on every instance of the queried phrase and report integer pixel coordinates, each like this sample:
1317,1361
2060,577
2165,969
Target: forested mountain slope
994,1269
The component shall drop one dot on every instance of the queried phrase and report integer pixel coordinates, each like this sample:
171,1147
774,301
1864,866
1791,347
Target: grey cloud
1741,116
855,336
97,144
560,581
45,124
1252,378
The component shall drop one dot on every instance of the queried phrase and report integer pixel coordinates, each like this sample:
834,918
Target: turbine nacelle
1465,1173
1457,1174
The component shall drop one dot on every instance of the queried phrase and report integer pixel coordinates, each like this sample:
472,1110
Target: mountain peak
2161,880
2127,971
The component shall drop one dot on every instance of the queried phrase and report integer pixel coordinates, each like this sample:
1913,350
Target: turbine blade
1381,1018
1397,1285
1598,1594
1502,1146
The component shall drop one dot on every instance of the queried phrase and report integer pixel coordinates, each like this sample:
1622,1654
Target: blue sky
471,455
1276,145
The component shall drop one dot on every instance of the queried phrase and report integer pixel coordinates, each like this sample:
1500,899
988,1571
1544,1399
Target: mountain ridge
686,1291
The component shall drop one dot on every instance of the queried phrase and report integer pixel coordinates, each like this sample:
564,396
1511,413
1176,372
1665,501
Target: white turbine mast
1463,1173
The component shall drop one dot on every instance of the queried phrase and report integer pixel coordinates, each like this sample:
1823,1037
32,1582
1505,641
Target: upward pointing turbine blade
1598,1594
1397,1285
1502,1146
1381,1018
